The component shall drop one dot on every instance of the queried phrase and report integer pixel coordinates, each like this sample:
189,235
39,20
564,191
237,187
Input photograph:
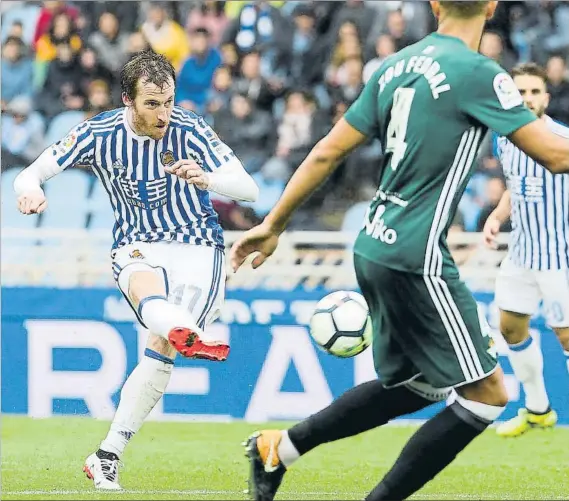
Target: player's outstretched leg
362,408
170,321
139,395
527,362
435,445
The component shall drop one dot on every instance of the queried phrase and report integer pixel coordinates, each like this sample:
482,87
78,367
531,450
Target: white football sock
286,450
161,317
140,393
527,361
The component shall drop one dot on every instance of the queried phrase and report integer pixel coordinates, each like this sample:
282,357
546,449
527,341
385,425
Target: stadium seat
27,15
61,125
11,216
67,195
14,249
102,217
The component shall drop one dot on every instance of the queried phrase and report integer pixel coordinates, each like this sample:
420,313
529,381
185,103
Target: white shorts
194,274
520,290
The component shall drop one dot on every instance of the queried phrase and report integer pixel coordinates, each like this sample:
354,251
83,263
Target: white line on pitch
202,492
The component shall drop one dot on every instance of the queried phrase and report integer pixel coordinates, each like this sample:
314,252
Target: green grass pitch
42,459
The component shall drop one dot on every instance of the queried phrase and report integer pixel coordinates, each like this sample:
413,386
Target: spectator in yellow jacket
166,36
62,30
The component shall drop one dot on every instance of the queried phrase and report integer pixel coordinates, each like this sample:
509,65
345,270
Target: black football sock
433,447
362,408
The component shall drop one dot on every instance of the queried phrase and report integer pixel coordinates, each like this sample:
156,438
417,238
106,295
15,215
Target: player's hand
262,239
491,231
32,202
191,172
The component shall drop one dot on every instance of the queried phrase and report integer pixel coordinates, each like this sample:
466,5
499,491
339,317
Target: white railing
80,258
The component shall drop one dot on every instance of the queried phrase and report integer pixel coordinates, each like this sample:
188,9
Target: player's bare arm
495,220
543,145
318,165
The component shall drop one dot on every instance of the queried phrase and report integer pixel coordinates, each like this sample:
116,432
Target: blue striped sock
566,353
158,356
526,343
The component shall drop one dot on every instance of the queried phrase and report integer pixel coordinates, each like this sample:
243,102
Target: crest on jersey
167,158
136,254
118,165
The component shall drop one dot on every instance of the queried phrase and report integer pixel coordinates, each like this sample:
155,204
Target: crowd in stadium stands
271,77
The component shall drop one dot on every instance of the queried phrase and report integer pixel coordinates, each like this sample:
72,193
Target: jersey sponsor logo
506,91
376,227
526,188
167,158
147,195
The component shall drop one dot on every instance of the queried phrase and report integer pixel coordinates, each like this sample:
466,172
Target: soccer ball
341,324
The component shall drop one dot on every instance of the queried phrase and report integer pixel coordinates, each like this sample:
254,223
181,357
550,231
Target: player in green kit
430,105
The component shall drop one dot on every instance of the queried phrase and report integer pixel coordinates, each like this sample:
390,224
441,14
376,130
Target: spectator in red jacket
49,10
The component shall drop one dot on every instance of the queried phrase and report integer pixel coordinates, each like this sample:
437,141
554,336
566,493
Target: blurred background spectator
110,44
197,72
247,129
22,133
165,35
17,70
558,88
271,76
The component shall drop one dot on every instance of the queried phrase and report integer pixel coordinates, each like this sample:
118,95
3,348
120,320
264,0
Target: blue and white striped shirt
150,205
540,208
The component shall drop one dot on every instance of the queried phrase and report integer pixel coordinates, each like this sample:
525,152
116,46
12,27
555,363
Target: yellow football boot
524,421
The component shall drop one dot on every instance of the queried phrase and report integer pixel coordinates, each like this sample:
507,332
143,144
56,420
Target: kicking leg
527,362
360,409
139,395
146,291
435,445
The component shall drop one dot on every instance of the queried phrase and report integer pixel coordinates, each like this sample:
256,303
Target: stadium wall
68,351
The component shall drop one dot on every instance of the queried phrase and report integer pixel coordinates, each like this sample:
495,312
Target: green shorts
424,326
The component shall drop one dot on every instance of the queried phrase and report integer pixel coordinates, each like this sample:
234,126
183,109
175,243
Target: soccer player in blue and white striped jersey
157,163
537,265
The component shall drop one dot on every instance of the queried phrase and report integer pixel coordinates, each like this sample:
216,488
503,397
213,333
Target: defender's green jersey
430,105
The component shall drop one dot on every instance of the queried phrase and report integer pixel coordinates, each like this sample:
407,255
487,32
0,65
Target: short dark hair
464,9
13,39
532,69
151,66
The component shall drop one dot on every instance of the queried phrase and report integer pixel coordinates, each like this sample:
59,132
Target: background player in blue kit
157,163
537,265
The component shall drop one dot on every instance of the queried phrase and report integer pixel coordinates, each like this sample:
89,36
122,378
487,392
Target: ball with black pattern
341,325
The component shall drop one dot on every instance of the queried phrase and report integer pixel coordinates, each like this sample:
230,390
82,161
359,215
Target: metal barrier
81,258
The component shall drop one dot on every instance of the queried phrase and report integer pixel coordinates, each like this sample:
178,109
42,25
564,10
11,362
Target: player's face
534,92
152,109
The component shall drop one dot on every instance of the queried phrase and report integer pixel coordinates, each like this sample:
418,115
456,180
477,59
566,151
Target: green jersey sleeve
363,113
490,96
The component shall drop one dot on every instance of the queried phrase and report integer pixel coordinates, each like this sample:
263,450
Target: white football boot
103,472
